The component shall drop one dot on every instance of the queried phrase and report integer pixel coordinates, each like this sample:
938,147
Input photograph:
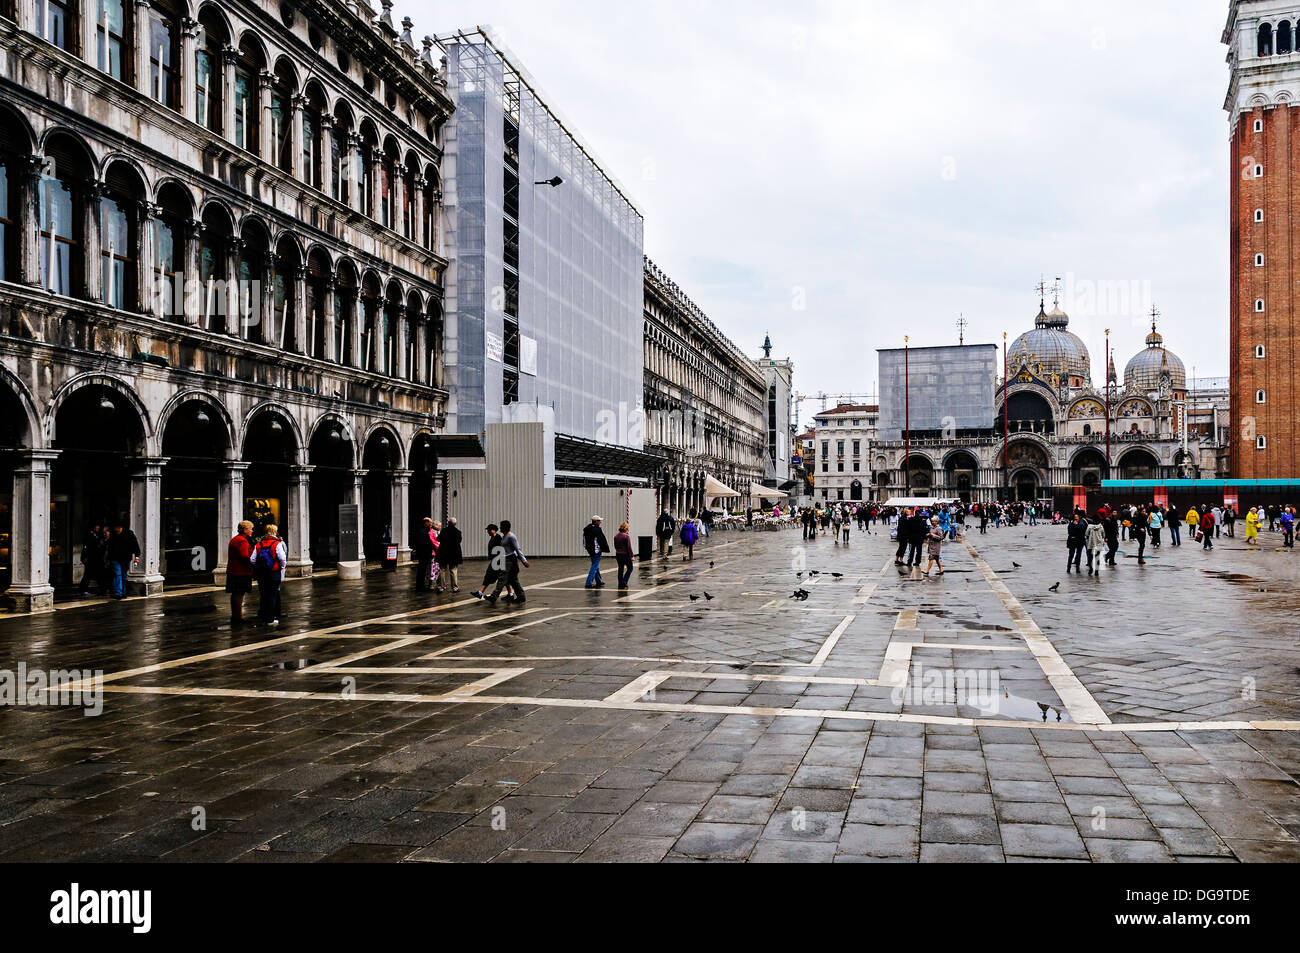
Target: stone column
331,322
295,137
265,146
89,21
350,175
417,215
146,257
195,296
399,368
230,511
401,486
229,55
145,577
29,217
234,294
186,98
376,185
399,200
420,373
297,534
29,551
143,77
301,320
268,332
92,248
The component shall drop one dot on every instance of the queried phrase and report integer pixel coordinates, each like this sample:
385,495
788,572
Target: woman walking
935,545
623,555
1252,527
1075,540
1138,531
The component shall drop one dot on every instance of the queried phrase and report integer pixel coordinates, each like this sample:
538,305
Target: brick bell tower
1262,101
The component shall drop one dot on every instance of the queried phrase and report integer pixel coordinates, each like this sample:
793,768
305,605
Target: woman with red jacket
239,571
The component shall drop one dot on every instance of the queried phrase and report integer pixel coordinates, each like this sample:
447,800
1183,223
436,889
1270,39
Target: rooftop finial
767,345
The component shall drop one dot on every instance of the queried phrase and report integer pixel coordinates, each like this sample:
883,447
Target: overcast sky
842,173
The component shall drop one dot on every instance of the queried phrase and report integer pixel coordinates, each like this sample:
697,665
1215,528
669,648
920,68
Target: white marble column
29,551
297,532
230,511
145,577
194,296
331,334
401,486
294,137
143,75
187,95
29,209
265,147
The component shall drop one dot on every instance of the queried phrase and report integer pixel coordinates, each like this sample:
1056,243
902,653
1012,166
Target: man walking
449,556
664,528
92,558
1111,526
514,556
496,564
1075,539
594,542
123,551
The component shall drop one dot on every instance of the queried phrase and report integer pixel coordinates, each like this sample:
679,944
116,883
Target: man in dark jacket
664,528
496,565
92,559
449,555
123,549
594,542
422,550
918,528
1111,525
1076,537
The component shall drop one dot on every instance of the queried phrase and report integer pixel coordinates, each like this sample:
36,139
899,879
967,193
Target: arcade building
220,282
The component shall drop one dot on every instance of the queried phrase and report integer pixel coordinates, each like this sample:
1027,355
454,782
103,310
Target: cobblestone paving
1149,713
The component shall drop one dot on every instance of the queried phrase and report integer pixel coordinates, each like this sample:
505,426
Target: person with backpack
596,545
664,527
690,535
270,559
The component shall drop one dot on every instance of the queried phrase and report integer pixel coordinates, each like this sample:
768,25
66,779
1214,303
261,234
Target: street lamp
553,182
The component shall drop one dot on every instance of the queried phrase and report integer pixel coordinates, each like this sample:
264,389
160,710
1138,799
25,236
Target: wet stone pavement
1151,713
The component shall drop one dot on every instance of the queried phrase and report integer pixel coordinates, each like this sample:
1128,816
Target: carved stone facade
1052,424
220,281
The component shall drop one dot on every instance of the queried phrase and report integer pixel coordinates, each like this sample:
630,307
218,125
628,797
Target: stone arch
33,436
24,128
276,410
330,418
233,441
120,387
397,443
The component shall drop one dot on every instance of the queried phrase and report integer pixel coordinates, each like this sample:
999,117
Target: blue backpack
265,561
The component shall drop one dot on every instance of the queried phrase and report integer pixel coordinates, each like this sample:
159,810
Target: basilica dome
1053,346
1145,368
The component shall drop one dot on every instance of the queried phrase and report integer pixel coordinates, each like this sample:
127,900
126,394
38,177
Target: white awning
716,488
766,493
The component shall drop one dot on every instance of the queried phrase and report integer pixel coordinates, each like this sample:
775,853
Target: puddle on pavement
293,665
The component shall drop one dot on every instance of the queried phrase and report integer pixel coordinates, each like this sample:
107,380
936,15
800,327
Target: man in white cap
593,540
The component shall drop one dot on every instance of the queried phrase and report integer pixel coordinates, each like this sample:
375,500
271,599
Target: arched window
342,174
428,226
392,314
62,211
214,243
56,23
1265,39
315,159
164,53
9,205
388,186
283,327
282,131
208,72
371,339
252,272
168,265
345,303
119,237
112,28
368,159
408,196
1284,37
318,275
248,112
